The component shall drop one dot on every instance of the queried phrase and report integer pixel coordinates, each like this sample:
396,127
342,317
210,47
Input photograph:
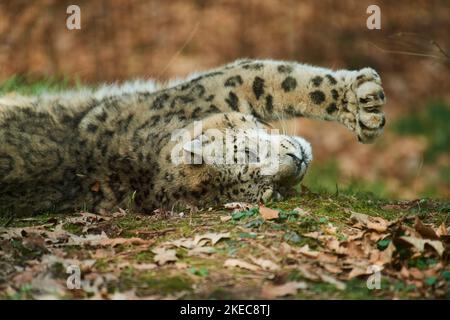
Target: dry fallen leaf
374,223
425,231
313,235
334,245
356,236
442,230
120,213
117,241
233,263
306,251
285,248
416,273
214,237
163,256
225,218
383,257
268,214
181,265
95,187
89,239
331,268
265,264
183,243
290,288
199,251
358,271
404,272
419,244
329,229
338,284
144,266
238,206
355,249
308,272
327,258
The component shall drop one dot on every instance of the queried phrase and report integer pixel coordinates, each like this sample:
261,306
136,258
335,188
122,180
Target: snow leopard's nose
294,159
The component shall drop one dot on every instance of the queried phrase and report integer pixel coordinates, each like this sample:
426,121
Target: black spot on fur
210,98
198,91
232,101
206,75
196,113
290,110
289,84
180,101
233,81
122,124
6,164
269,103
317,81
317,97
76,119
185,86
334,94
253,66
155,120
92,128
66,119
285,68
331,108
101,117
331,79
244,61
108,133
213,109
258,87
253,111
159,102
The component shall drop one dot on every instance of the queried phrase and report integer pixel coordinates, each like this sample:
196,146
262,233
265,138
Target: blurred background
126,39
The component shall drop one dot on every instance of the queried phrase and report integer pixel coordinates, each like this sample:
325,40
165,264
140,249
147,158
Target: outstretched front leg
353,98
271,89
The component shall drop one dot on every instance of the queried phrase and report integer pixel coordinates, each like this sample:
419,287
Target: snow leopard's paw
370,99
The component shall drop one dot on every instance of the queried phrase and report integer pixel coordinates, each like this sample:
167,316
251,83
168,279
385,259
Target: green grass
326,177
20,85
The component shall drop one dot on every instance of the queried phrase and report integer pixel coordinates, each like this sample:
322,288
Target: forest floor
313,246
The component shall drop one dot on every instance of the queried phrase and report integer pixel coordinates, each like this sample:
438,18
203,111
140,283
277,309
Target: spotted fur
112,147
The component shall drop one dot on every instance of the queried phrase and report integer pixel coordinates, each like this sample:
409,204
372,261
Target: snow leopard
112,147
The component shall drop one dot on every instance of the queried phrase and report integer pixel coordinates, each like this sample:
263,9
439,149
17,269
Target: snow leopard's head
249,165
